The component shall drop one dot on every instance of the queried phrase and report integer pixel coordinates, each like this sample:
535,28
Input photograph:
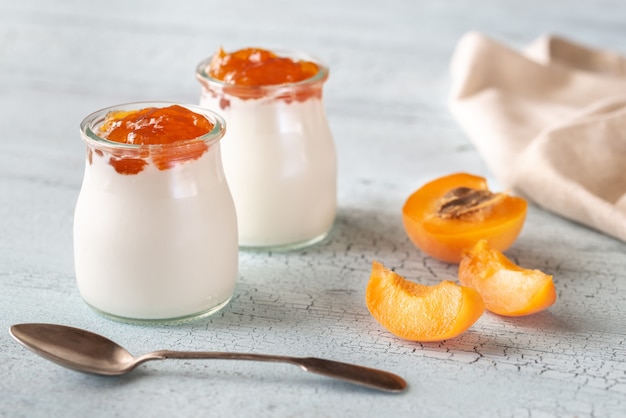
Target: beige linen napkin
549,122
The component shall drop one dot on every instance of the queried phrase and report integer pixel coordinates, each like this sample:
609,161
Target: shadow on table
544,322
362,231
494,337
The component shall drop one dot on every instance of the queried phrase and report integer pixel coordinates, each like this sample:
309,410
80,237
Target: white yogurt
280,162
157,245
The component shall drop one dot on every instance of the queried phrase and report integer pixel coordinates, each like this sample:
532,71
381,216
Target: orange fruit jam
153,125
259,67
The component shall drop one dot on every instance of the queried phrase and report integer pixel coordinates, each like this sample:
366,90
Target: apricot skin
418,312
445,239
506,288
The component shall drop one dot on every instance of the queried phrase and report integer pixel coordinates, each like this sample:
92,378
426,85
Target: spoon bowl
87,352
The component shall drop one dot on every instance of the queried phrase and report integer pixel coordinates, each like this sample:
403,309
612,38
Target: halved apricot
452,213
418,312
506,288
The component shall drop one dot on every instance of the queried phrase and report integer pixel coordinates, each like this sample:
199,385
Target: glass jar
155,228
279,158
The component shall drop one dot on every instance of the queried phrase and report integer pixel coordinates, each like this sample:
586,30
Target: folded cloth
549,122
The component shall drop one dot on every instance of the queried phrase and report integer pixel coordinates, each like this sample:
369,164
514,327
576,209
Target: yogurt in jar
279,154
155,229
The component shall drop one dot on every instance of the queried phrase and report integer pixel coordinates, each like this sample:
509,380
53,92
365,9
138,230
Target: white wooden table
60,60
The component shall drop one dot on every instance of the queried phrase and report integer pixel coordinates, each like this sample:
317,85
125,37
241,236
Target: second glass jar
279,158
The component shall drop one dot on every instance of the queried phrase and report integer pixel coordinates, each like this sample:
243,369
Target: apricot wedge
452,213
418,312
506,288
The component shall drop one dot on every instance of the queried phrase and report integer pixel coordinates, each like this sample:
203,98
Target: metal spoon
88,352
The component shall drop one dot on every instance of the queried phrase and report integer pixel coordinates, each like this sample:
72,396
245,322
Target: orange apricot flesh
418,312
442,222
506,288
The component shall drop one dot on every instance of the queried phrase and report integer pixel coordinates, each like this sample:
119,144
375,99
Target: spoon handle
361,375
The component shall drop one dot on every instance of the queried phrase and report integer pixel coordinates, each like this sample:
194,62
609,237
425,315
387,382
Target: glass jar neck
91,131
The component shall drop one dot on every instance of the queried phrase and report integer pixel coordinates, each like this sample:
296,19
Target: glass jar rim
268,89
88,126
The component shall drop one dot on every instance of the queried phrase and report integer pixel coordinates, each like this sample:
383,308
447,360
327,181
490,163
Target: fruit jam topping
259,67
154,126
